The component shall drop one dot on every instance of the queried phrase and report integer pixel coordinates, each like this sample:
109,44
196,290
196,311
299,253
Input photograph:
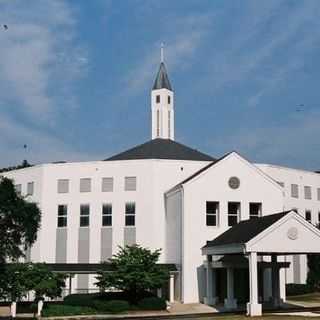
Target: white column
253,307
230,302
40,307
171,288
13,309
210,298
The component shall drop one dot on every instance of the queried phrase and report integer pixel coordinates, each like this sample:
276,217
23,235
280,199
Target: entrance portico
259,242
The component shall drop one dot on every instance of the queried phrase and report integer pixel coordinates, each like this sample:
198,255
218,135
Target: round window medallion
234,183
292,233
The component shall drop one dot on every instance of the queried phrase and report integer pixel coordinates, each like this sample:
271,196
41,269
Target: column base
211,301
230,304
254,309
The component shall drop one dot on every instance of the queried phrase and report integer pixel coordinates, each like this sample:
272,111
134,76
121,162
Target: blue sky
75,77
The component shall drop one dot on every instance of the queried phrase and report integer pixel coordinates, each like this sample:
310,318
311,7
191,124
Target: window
307,192
107,185
308,215
84,215
158,123
233,213
62,215
130,214
318,193
63,186
107,215
85,185
30,188
130,184
158,98
169,99
294,191
169,124
18,188
319,218
212,213
255,209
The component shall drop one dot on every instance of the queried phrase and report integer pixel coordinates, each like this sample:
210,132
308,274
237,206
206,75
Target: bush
295,289
152,303
78,299
65,310
112,306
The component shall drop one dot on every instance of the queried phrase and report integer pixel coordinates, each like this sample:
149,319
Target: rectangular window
85,185
212,213
84,215
18,188
158,123
62,215
30,188
318,194
130,214
107,185
233,213
158,98
169,99
169,124
307,192
130,183
255,209
107,215
308,215
63,186
294,191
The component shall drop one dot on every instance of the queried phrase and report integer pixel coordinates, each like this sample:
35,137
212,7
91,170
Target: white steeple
162,104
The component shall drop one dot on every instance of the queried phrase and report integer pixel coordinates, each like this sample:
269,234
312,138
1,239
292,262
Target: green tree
44,282
134,271
19,222
313,278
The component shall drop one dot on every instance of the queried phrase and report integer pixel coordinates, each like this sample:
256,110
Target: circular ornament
234,182
292,233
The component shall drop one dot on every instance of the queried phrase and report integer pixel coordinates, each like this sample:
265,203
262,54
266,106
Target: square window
85,185
307,192
130,220
255,209
130,184
211,220
232,220
63,186
107,221
107,184
62,222
84,221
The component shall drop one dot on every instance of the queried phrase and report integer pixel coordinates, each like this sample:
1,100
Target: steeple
162,103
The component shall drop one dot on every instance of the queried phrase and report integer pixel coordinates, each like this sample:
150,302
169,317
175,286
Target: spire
162,79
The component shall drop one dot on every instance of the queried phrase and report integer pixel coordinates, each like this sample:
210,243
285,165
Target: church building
212,218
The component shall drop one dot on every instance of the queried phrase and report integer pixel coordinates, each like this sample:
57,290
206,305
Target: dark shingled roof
246,230
162,149
162,79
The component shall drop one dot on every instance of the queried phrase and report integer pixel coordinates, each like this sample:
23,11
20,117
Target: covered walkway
259,245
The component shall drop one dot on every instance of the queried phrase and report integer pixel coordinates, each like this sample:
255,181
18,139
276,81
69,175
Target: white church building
212,218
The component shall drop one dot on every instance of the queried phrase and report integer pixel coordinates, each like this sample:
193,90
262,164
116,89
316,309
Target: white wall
212,185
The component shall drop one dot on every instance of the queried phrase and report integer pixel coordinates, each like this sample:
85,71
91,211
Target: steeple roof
162,79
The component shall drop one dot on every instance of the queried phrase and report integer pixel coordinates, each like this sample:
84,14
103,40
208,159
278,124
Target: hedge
152,303
65,310
295,289
79,299
111,306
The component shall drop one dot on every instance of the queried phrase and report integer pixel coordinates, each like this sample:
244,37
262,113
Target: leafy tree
19,222
134,271
313,279
44,282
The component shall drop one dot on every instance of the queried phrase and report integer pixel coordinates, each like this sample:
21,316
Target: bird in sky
5,27
300,107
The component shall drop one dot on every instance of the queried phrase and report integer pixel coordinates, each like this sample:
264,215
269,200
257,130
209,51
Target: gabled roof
162,149
246,230
162,79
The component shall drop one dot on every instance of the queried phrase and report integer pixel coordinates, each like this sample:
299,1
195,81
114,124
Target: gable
291,234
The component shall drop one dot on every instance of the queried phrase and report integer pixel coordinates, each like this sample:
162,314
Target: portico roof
282,233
